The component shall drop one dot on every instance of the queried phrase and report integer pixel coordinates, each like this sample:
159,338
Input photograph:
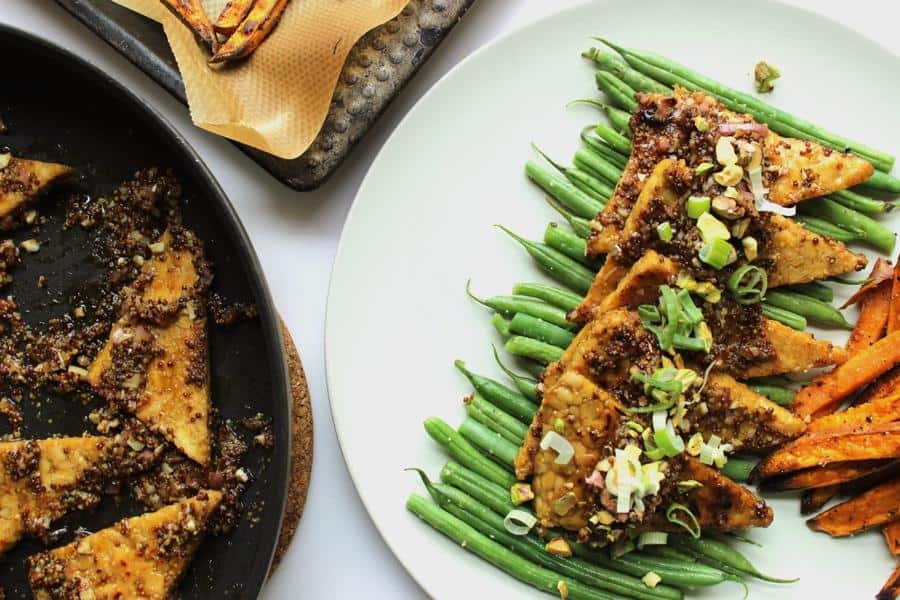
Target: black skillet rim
213,193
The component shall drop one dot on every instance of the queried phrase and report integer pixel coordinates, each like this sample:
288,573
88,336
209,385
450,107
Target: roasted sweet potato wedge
892,537
826,447
894,316
875,507
231,16
813,500
874,309
828,475
879,410
251,32
192,14
891,589
849,377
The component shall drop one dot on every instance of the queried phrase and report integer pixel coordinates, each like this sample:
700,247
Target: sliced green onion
664,435
690,309
692,528
519,522
748,284
703,169
664,231
652,538
717,253
697,205
651,579
559,444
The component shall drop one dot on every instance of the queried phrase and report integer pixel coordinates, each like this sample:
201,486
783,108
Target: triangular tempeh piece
21,180
41,480
795,352
664,126
156,361
141,557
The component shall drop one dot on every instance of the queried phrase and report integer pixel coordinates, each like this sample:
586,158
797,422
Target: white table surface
337,552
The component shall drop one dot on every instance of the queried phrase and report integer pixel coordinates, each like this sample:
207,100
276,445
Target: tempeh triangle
156,361
666,126
21,180
141,557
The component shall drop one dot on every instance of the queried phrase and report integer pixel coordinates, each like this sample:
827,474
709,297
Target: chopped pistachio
603,517
688,484
730,192
708,292
651,579
558,547
705,334
739,228
157,247
563,589
565,504
30,245
765,75
520,493
694,444
701,124
30,217
703,168
727,207
751,248
725,154
730,175
77,371
5,158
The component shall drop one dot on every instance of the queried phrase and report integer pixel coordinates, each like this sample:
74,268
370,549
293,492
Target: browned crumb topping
225,314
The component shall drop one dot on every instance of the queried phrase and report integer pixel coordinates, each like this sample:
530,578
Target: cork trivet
301,449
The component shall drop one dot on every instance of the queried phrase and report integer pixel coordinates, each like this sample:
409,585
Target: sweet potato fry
828,475
192,14
879,410
231,16
814,499
894,318
826,447
892,537
882,271
875,507
874,309
887,384
845,379
251,32
891,589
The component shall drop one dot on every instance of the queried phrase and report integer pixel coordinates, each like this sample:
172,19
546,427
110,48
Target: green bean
615,65
501,325
616,141
867,228
568,243
779,395
497,420
823,227
499,395
510,305
621,95
721,553
805,306
538,329
506,560
559,266
492,444
670,553
534,349
596,189
785,317
600,146
582,227
675,572
563,190
883,182
483,519
814,289
860,203
760,110
526,386
596,165
484,490
619,118
563,299
466,454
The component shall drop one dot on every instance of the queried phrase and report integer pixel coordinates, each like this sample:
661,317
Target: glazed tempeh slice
41,480
22,180
666,126
142,557
156,361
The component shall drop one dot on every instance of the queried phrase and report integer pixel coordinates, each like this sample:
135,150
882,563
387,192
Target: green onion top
748,284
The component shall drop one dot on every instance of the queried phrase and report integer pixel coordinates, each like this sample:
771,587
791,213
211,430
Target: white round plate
422,224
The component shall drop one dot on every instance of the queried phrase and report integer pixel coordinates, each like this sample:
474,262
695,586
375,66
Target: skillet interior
61,109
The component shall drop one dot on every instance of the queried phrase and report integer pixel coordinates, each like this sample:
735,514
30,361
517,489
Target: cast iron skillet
59,108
